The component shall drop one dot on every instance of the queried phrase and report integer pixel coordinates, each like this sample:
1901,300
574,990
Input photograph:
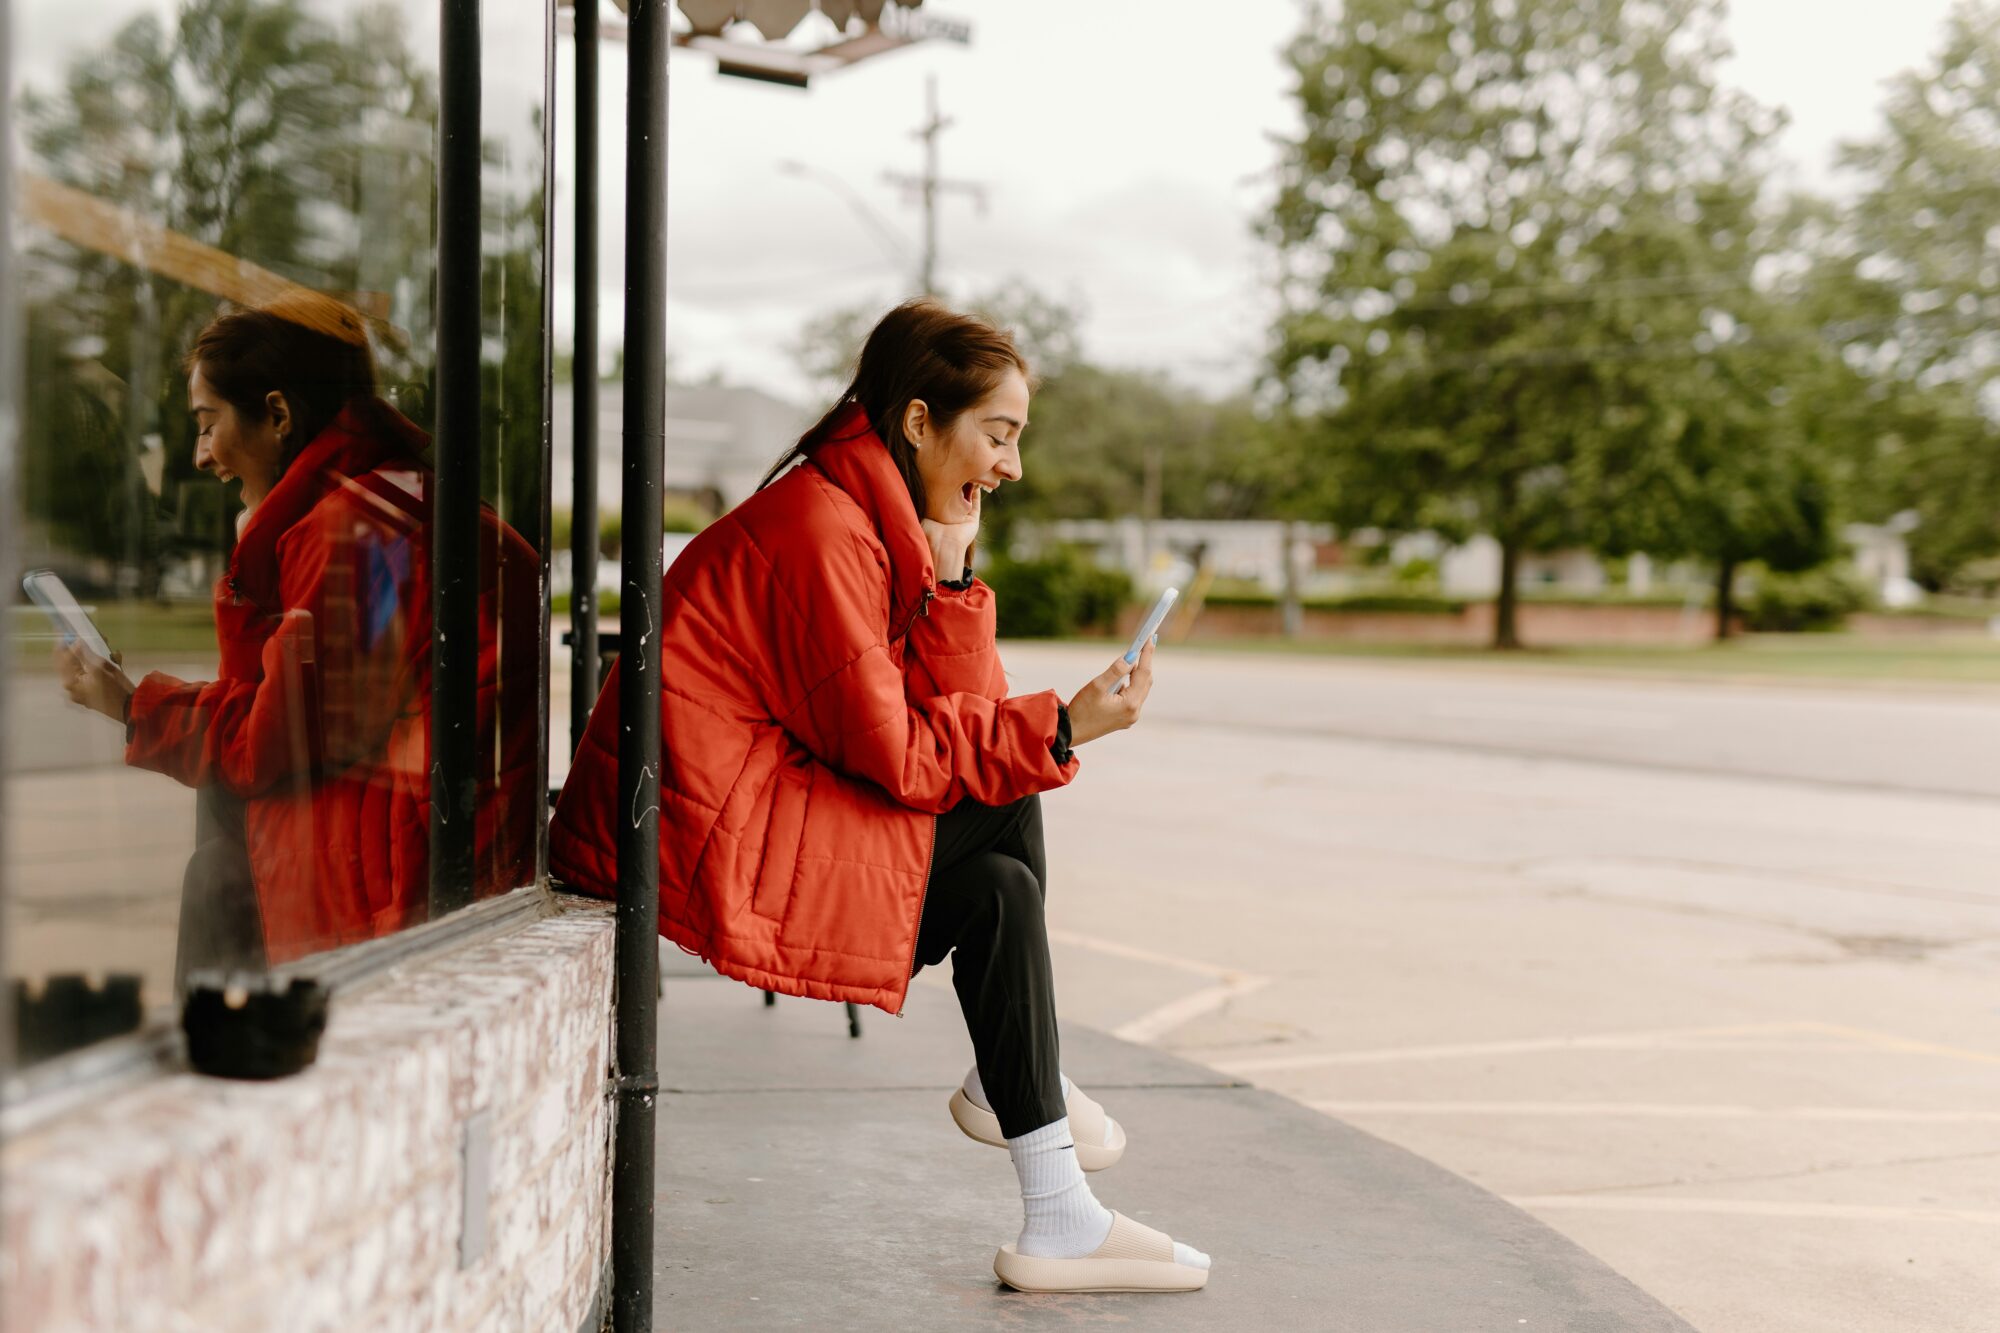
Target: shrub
1818,599
683,516
1056,595
1413,603
1417,572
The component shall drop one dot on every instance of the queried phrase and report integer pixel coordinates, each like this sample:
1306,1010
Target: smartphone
1154,618
72,623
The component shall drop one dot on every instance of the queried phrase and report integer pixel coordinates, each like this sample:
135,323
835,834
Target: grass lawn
1827,657
142,631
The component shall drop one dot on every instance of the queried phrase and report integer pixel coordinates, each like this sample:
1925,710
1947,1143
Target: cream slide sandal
1095,1148
1134,1257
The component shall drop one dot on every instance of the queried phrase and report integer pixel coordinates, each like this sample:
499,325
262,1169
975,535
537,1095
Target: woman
848,793
309,748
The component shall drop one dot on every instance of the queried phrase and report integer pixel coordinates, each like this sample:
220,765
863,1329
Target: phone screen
50,593
1152,623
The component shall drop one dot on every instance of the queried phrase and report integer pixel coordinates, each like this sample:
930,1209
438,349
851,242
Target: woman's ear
279,413
916,423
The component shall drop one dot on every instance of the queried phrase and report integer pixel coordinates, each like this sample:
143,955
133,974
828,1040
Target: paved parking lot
1702,975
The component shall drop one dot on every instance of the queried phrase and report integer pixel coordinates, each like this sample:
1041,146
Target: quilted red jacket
822,703
319,714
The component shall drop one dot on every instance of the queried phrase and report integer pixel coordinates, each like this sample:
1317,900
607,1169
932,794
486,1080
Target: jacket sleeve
857,715
330,686
952,646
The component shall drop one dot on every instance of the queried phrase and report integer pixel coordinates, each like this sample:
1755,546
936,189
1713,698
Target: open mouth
970,491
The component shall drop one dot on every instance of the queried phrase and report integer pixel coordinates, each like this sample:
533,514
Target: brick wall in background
334,1200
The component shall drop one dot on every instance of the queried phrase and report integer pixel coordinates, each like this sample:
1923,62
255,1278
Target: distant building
1161,552
720,441
1881,557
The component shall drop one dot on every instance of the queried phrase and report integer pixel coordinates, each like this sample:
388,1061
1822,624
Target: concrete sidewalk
808,1180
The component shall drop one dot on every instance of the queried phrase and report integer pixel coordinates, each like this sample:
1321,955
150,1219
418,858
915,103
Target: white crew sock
976,1090
1062,1218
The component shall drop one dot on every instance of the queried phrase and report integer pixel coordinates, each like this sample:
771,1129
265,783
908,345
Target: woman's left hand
950,542
90,680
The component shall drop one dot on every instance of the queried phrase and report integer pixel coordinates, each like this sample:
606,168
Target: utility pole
926,188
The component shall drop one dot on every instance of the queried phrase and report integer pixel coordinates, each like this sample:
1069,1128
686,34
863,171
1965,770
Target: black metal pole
639,664
583,380
10,399
455,503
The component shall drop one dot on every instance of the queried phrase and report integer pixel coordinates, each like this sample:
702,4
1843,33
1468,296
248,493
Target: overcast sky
1123,146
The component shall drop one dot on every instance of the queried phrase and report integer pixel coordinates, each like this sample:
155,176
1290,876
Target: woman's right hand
101,686
1096,711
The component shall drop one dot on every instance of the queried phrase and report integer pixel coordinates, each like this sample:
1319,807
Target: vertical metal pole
10,398
455,503
544,623
583,380
639,664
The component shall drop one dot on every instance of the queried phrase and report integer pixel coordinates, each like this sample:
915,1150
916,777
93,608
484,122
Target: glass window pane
225,232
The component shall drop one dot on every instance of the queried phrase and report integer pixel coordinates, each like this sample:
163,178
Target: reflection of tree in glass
250,126
513,289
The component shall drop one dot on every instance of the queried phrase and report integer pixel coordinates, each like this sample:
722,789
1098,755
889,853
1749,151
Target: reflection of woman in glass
309,750
848,791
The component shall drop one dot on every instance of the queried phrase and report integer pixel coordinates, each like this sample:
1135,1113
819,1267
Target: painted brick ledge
333,1200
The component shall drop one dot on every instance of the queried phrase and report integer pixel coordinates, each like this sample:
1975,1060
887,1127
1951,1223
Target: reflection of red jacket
822,703
319,715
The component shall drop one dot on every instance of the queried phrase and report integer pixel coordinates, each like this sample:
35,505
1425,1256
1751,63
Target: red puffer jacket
319,717
822,704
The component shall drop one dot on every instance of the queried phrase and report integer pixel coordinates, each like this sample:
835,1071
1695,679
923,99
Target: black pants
221,925
983,906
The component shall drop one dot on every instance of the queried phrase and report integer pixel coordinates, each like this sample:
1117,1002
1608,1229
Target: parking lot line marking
1888,1041
1609,1041
1119,949
1839,1212
1661,1110
1150,1027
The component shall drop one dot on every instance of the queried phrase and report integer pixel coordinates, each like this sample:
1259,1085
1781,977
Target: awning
776,18
863,28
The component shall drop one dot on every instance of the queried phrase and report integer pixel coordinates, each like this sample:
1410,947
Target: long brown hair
305,345
919,350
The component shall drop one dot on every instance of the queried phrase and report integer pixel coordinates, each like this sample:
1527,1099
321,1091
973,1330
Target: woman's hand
950,542
1096,711
93,682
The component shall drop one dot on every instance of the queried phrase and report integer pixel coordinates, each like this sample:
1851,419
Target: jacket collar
853,457
359,440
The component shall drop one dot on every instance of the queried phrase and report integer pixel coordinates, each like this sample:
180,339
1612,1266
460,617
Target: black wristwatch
958,584
1059,747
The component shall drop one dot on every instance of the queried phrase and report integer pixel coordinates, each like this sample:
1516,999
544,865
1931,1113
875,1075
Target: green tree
1506,232
1917,269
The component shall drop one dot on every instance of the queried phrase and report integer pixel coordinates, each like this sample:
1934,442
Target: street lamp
892,242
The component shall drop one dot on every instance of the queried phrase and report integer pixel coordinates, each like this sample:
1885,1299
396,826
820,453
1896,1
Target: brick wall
334,1200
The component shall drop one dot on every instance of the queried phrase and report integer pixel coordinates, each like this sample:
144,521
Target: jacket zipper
930,864
923,609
